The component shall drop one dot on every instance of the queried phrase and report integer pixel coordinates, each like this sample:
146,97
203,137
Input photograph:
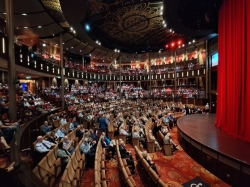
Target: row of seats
150,144
49,167
125,174
73,173
100,166
148,176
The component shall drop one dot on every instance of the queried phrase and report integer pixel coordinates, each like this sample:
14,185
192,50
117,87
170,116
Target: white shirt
63,121
41,148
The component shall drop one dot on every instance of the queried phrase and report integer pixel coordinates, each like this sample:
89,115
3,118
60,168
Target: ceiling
131,26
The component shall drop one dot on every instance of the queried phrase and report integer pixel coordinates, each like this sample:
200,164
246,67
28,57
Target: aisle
181,167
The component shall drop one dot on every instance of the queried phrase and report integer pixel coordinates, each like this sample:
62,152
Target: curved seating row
73,173
125,174
49,167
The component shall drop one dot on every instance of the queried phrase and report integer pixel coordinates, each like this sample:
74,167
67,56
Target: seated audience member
106,143
92,134
63,154
79,132
7,130
85,147
90,156
123,131
45,128
152,138
60,133
52,137
164,130
63,120
73,124
43,146
125,154
4,143
67,144
149,161
168,140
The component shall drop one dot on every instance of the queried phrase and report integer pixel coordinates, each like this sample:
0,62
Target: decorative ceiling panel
127,24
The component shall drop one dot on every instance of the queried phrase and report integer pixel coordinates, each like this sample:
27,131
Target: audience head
39,139
45,123
60,145
144,154
65,139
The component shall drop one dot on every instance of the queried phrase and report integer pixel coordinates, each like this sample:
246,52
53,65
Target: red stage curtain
233,105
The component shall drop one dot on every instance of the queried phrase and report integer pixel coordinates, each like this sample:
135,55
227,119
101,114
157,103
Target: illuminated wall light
28,58
63,71
58,71
198,72
23,14
168,75
128,77
193,41
152,77
21,60
192,73
3,45
68,73
39,26
173,75
204,71
187,73
182,74
47,68
183,45
25,27
41,66
177,75
53,69
189,42
164,76
166,46
21,56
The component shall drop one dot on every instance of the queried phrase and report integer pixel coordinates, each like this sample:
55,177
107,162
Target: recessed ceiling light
39,26
25,27
24,14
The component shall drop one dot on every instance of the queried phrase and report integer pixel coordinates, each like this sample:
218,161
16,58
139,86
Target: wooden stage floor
201,128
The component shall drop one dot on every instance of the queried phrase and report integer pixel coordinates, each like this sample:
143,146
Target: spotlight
167,46
183,45
189,42
172,44
193,41
179,42
87,27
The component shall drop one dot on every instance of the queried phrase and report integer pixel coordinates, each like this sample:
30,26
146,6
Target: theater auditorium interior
124,93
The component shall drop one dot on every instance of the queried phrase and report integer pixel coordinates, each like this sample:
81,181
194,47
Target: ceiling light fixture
24,14
87,27
39,26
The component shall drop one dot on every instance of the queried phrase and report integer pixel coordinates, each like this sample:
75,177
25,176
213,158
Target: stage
222,154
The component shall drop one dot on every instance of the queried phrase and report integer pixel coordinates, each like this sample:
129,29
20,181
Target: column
11,62
120,77
62,70
150,75
208,87
175,78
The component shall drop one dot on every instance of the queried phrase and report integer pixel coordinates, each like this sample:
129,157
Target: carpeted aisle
181,167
